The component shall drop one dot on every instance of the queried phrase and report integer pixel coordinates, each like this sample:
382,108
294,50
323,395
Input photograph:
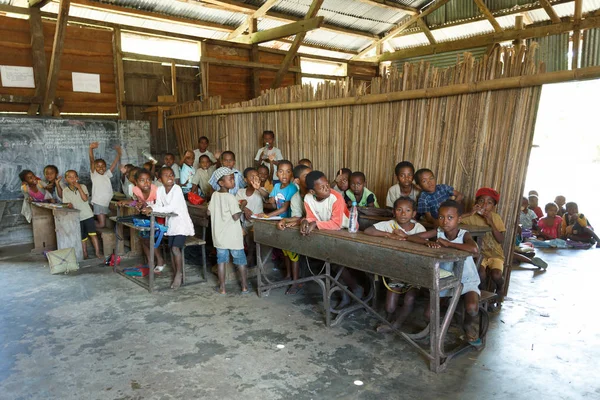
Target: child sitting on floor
227,233
451,236
170,199
251,203
102,191
228,161
533,205
484,214
402,226
187,172
433,195
527,217
202,176
53,184
77,196
576,226
342,181
560,203
549,227
359,193
405,172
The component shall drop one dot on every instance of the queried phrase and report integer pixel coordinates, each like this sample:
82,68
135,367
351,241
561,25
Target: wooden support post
119,74
174,80
576,34
488,15
57,48
254,57
519,27
204,70
39,56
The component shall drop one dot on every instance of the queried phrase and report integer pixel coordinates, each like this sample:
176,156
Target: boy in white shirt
202,150
102,191
269,155
225,214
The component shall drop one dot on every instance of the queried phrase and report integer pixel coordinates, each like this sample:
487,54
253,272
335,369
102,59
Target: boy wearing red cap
483,214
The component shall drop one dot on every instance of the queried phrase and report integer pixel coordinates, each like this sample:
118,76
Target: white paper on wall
21,77
89,83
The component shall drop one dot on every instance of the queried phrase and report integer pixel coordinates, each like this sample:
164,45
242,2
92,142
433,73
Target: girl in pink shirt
549,226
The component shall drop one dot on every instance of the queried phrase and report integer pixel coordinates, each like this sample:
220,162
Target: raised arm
458,196
93,145
116,160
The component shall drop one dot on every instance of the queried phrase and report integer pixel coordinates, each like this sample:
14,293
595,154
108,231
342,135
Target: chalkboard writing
33,143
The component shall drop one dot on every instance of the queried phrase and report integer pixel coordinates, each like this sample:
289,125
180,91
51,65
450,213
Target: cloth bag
62,261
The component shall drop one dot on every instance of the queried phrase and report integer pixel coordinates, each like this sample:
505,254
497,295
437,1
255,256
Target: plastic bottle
353,224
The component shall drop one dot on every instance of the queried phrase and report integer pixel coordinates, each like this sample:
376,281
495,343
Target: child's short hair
358,174
201,138
262,166
406,199
570,205
99,160
304,160
298,169
71,171
550,205
160,171
228,152
169,155
133,171
268,133
54,167
247,170
128,167
205,156
312,177
404,164
421,172
285,162
346,171
533,195
24,173
140,172
453,204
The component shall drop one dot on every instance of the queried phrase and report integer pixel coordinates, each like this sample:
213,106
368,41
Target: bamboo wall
469,141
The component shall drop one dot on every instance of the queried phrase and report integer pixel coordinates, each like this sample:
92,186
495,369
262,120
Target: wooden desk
135,245
55,226
405,261
199,216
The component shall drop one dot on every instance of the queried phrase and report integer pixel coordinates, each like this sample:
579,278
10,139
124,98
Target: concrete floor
95,335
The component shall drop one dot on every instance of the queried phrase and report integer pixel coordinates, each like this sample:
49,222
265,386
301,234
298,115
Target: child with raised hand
102,191
433,195
527,217
251,203
269,155
484,214
76,196
575,226
169,199
202,150
533,205
399,228
265,178
202,176
53,184
449,235
227,160
359,193
227,233
405,173
549,227
187,172
560,203
125,183
342,180
32,187
282,193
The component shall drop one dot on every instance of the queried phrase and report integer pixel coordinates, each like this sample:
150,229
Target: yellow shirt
490,248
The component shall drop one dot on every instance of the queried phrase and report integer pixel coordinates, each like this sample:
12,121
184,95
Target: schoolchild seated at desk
54,184
359,193
433,195
405,172
200,180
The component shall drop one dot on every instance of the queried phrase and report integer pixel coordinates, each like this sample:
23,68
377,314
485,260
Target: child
202,150
560,202
32,187
405,172
227,233
53,184
484,214
533,205
282,193
102,191
228,161
326,209
170,162
251,203
550,226
306,162
451,236
576,227
359,193
265,178
433,195
125,183
298,212
527,217
269,155
399,228
77,196
187,172
202,176
169,199
342,180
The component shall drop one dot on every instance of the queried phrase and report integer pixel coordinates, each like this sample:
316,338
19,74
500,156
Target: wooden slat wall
469,141
86,49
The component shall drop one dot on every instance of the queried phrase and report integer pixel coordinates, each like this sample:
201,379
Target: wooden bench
194,241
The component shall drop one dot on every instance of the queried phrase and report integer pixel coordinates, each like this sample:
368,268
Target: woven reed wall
469,141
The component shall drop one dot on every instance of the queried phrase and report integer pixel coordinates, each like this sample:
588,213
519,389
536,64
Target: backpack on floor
62,261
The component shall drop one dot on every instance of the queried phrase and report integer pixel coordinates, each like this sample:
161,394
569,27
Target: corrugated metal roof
5,2
307,50
443,60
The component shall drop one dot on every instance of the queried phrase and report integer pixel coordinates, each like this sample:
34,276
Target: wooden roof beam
256,14
294,28
492,38
392,5
488,15
550,11
423,25
38,3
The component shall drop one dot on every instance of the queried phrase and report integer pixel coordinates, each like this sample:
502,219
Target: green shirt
367,198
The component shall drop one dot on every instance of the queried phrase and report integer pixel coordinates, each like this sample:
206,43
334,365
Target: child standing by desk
102,192
251,203
53,184
169,199
187,172
225,214
228,161
77,196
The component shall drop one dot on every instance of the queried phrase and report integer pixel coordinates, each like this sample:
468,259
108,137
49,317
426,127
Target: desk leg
151,258
259,270
68,231
434,326
119,232
327,295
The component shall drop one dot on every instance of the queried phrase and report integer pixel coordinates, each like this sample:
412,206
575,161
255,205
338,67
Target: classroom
307,199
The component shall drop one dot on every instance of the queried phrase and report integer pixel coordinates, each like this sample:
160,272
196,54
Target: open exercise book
275,218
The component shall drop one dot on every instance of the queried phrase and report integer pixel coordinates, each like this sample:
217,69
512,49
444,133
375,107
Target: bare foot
98,255
176,281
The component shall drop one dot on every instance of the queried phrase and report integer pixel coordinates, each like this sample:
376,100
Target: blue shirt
185,176
239,182
430,202
283,195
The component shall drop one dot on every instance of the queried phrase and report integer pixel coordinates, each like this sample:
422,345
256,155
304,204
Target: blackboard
33,143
